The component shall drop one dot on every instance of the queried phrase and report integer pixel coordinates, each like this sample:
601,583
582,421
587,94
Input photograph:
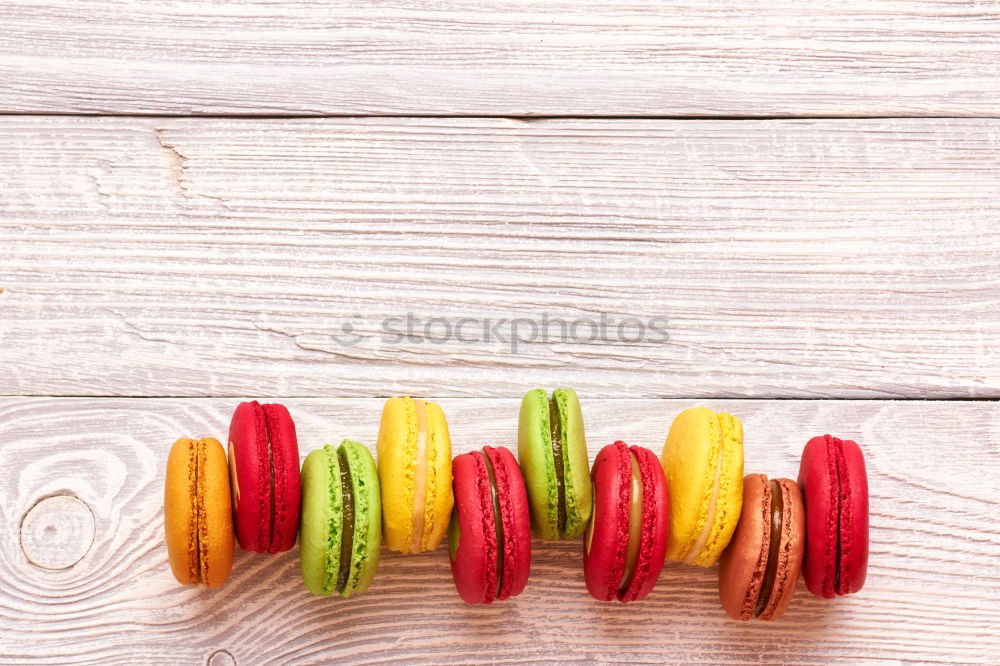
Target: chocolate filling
497,522
347,534
555,428
454,534
777,511
593,517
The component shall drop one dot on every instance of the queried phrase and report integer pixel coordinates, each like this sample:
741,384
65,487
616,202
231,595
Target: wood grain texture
932,595
506,57
188,257
57,532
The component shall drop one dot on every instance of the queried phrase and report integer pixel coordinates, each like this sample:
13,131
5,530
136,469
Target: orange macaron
197,514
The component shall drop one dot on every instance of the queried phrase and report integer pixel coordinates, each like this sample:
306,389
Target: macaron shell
534,452
655,525
397,448
604,552
322,520
790,551
818,480
473,564
367,541
216,524
179,511
516,521
576,465
853,518
250,472
691,459
729,501
287,482
439,497
743,563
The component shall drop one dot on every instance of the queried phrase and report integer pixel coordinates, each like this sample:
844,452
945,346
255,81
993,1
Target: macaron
760,566
196,514
703,462
264,474
414,470
835,487
552,451
341,530
627,538
490,531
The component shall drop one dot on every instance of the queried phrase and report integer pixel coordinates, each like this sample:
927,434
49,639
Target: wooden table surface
787,211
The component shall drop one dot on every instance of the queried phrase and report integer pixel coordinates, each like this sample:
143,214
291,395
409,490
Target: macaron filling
270,465
347,532
556,433
706,530
419,477
497,519
333,553
589,536
835,451
634,525
774,544
454,535
197,502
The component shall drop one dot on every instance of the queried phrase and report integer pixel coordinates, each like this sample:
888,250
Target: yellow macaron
414,469
703,462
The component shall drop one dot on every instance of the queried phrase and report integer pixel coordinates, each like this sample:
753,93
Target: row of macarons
633,509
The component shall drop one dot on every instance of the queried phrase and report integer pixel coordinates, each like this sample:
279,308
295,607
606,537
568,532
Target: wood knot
57,532
221,658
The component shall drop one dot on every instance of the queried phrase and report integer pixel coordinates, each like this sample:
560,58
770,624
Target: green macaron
341,525
552,452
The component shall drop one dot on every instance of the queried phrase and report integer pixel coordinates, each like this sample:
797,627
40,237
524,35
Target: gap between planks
499,116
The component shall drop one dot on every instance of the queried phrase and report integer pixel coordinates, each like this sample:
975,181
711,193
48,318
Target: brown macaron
760,567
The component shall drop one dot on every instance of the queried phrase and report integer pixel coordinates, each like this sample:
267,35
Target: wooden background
202,202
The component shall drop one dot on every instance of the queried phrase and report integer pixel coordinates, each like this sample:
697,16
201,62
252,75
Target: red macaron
490,531
264,476
627,537
835,488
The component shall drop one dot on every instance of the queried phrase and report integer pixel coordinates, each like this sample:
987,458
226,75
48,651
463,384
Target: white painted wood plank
790,258
505,57
932,595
